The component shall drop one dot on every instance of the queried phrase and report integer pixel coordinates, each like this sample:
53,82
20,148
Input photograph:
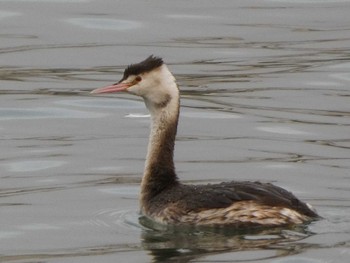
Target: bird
166,200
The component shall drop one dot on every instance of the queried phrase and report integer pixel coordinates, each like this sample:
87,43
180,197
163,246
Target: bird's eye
138,79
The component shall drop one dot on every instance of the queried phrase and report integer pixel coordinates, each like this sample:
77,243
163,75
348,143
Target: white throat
162,93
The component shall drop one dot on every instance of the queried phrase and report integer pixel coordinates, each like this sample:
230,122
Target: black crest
147,65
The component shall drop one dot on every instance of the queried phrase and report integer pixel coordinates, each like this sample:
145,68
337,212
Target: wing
197,197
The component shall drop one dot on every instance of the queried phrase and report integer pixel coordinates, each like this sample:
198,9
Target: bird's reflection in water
184,244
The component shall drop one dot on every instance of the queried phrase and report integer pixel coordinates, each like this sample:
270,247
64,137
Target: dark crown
147,65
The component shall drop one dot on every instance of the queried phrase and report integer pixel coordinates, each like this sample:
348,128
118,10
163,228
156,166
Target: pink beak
113,88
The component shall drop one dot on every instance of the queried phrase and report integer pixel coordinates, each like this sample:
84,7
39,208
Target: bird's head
149,79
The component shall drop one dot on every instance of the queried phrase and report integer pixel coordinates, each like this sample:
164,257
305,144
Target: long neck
159,172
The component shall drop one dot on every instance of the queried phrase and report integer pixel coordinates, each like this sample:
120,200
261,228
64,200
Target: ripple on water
279,166
9,234
345,65
39,227
6,14
341,76
323,83
311,1
31,166
297,259
125,191
102,103
108,168
105,23
137,115
282,130
48,1
112,218
188,16
44,113
210,115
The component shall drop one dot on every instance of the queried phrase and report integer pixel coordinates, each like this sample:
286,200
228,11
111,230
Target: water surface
265,96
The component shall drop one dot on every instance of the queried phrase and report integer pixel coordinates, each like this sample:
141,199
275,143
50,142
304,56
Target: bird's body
166,200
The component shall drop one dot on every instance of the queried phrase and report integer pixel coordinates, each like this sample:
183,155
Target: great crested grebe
167,201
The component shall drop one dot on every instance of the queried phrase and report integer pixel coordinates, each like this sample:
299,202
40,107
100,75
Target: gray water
265,96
